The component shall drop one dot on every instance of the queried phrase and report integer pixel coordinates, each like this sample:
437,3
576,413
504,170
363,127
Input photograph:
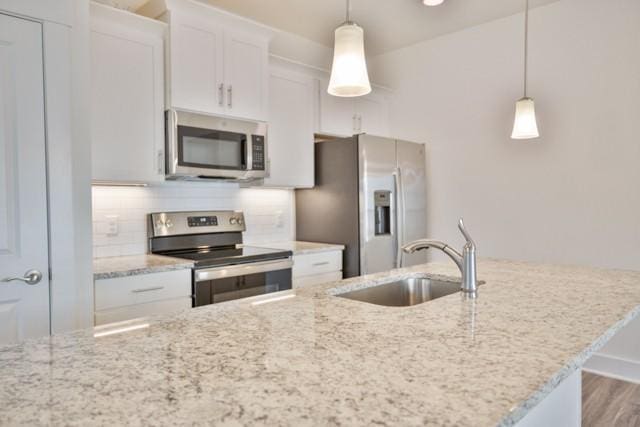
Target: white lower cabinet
125,298
316,268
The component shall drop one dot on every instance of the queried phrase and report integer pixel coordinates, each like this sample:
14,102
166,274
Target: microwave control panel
257,152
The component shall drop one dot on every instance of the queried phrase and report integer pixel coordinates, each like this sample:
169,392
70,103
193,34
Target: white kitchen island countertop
310,358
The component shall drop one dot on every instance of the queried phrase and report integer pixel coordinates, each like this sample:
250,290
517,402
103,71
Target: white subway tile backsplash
268,212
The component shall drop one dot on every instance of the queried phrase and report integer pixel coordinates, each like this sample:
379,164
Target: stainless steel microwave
199,146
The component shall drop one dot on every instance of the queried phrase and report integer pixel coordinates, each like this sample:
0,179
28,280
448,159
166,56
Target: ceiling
388,24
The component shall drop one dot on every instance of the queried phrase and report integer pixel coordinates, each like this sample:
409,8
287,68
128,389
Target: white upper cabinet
372,114
246,75
291,128
217,62
127,101
196,66
348,116
337,115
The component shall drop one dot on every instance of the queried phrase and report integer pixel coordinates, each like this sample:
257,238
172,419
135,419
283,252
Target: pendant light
349,75
525,125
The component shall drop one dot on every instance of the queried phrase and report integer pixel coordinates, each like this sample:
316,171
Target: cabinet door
372,113
127,101
196,66
337,115
290,129
246,76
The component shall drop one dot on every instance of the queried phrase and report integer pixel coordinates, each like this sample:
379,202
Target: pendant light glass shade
525,125
349,76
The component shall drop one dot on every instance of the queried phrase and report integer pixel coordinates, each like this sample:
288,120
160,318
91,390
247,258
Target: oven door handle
242,269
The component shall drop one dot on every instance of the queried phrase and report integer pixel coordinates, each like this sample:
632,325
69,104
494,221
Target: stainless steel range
224,269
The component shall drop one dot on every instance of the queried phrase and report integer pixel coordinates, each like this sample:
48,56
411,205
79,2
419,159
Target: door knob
31,277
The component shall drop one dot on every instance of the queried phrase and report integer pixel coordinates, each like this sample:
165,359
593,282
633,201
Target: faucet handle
465,233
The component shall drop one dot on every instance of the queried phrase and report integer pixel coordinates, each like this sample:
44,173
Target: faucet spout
421,244
466,261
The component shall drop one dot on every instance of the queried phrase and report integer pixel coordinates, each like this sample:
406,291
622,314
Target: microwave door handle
249,153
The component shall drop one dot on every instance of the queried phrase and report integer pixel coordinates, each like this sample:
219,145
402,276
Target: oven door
220,284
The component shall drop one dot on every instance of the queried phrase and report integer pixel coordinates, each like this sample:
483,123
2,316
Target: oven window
211,149
230,288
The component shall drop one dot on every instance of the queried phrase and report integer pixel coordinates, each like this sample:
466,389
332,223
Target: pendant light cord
349,11
526,43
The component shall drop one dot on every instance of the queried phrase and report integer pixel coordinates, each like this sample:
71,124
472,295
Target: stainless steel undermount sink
405,292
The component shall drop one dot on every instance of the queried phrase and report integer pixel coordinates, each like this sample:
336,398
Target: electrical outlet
279,219
112,225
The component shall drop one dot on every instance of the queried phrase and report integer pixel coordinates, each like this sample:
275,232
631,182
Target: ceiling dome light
432,2
349,76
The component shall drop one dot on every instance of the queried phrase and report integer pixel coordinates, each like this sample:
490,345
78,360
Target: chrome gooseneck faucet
466,261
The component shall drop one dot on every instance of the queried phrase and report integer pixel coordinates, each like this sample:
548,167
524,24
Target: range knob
240,221
164,223
233,220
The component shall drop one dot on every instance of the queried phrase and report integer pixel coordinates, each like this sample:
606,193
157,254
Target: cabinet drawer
144,288
319,263
317,279
141,310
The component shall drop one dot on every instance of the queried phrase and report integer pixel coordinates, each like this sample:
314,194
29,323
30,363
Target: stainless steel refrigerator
370,195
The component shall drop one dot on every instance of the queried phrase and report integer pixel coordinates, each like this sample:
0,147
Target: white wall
570,197
268,212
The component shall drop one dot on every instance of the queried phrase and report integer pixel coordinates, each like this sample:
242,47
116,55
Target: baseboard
613,367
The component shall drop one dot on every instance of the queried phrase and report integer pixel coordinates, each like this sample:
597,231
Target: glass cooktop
233,255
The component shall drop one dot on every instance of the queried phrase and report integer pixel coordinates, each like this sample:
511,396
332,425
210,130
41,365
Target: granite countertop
303,248
123,266
310,358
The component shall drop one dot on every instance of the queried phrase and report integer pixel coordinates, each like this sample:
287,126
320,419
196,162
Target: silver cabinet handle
319,264
353,124
230,96
220,94
160,162
31,277
359,123
155,288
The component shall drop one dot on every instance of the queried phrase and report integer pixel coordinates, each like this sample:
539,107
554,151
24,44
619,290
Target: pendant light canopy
525,125
349,76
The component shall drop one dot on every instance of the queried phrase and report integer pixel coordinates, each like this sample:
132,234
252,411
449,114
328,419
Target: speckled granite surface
303,248
123,266
316,359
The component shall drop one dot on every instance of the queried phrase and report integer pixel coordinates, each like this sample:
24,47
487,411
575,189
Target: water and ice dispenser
382,203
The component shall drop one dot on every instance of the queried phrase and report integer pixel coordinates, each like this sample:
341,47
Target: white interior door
24,307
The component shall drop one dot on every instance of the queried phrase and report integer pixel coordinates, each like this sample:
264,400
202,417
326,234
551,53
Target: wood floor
609,403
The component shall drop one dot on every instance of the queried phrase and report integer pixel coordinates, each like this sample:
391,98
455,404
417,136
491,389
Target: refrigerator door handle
399,215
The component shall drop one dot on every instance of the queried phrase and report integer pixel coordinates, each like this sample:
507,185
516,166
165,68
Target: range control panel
257,152
202,221
179,223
